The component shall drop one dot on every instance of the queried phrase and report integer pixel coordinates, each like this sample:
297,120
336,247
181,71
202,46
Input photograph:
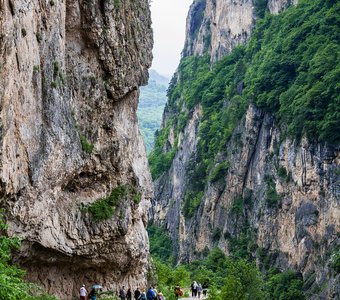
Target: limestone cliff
262,165
69,78
217,26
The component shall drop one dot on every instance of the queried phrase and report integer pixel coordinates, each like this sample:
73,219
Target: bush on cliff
12,284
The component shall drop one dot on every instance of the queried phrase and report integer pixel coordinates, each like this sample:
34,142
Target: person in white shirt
83,292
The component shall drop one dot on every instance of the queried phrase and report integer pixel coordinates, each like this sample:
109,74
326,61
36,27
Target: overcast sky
168,18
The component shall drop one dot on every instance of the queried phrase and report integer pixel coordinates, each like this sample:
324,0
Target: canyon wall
69,78
302,227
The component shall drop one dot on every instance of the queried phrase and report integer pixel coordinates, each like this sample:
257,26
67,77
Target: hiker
150,295
155,293
194,289
160,296
122,294
93,294
205,289
137,294
178,291
128,294
83,292
142,296
199,290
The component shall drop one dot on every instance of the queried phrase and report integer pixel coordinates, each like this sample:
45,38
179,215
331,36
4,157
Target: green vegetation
219,171
12,284
272,197
283,174
290,68
104,208
117,3
36,68
287,285
230,279
159,160
150,109
86,145
191,203
335,260
161,246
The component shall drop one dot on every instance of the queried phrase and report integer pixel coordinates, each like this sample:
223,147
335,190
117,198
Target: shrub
161,245
191,203
13,286
104,208
272,197
286,285
220,171
335,261
86,145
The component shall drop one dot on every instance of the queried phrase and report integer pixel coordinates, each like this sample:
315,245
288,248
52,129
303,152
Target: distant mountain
160,79
151,105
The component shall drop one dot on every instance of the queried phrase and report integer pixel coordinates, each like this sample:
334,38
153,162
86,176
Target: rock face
265,169
69,78
218,26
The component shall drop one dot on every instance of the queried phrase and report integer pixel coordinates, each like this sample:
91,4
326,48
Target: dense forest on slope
290,67
151,105
228,278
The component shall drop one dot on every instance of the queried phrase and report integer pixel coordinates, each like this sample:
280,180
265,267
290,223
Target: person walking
142,296
199,290
93,294
128,294
194,289
205,289
150,295
122,293
178,291
83,292
137,294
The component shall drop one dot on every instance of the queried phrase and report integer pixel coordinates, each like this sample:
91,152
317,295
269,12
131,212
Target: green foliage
283,174
150,109
335,261
286,285
159,160
54,84
219,172
161,246
272,197
36,68
243,245
295,65
86,145
104,208
237,206
12,284
191,203
290,68
168,277
260,7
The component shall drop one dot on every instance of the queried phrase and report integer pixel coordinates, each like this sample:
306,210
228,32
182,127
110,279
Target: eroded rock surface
70,71
301,229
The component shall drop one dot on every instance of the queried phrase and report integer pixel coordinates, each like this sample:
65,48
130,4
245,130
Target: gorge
248,157
246,164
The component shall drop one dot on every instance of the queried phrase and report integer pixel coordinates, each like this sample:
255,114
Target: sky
168,23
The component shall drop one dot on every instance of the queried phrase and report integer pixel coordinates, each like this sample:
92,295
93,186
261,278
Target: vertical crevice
11,7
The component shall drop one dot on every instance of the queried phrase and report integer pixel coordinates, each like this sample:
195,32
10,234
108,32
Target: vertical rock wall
303,230
70,71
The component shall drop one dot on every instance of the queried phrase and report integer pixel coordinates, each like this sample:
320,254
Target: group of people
197,289
151,294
